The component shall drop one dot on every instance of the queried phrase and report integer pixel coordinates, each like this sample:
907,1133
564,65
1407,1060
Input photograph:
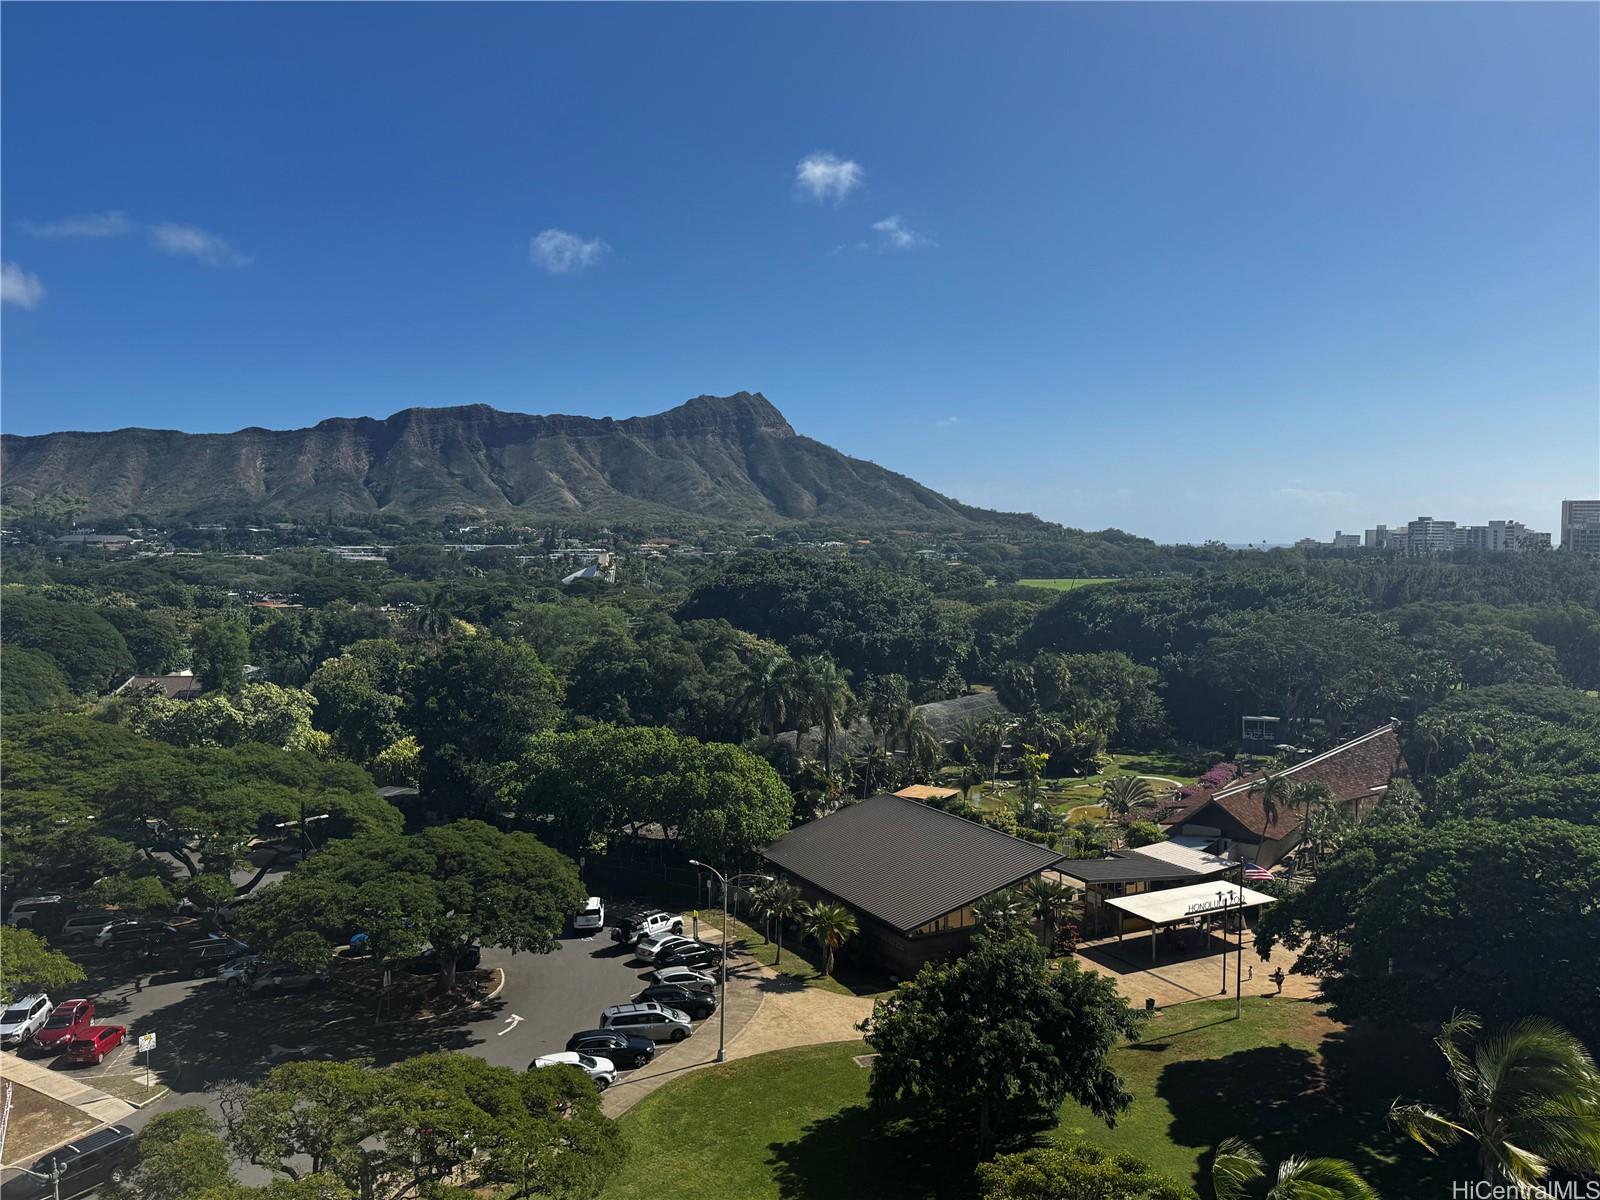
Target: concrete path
766,1011
1194,975
745,998
58,1086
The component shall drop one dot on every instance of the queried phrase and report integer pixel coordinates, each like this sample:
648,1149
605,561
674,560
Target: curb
456,1012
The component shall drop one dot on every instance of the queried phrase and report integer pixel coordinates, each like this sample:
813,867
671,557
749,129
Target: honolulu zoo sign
1223,900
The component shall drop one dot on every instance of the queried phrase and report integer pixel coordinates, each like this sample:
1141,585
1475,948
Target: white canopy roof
1196,900
1180,855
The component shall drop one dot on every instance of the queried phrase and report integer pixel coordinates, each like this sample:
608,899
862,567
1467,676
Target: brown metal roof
903,862
1125,867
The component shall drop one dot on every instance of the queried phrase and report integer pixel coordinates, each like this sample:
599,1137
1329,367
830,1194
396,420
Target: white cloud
563,253
827,177
90,225
18,287
897,235
947,422
204,247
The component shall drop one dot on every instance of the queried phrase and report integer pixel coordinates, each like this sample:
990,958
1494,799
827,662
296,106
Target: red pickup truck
95,1043
69,1019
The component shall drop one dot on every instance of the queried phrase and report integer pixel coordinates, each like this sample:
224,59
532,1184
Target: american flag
1256,873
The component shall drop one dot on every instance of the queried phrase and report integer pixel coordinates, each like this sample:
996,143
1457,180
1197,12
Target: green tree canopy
33,682
1073,1173
1412,922
83,644
220,649
27,964
448,887
999,1040
718,801
472,705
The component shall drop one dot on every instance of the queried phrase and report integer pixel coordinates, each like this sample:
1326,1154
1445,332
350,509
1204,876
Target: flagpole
1238,963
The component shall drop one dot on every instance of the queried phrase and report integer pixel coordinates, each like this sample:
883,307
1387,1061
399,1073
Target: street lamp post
53,1179
722,998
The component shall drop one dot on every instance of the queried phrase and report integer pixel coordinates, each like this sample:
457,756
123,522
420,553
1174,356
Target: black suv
102,1157
210,956
141,937
689,954
696,1005
624,1050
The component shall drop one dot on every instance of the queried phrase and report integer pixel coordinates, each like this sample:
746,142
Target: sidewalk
95,1107
745,998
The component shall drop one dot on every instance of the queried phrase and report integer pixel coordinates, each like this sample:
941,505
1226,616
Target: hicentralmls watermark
1484,1189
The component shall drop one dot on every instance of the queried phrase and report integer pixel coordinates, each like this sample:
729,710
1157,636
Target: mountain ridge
725,458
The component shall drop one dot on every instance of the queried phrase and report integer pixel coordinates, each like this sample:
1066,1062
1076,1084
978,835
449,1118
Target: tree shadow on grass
853,1154
1286,1102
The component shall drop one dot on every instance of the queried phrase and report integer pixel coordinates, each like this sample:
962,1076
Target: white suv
652,946
601,1070
593,915
23,1018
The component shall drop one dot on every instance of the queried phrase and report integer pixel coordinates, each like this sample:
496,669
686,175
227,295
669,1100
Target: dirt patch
39,1123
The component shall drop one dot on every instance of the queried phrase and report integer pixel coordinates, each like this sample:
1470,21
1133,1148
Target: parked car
102,1157
427,963
650,1020
650,947
699,1005
31,911
67,1020
621,1048
593,915
139,935
23,1018
95,1043
690,954
695,981
285,977
241,970
601,1070
210,956
646,924
82,927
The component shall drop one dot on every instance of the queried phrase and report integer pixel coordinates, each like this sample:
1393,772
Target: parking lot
208,1034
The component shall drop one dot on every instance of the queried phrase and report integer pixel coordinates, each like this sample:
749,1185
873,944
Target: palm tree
1238,1164
1530,1098
1276,794
992,743
774,902
923,746
1124,792
434,622
1050,900
824,696
1001,910
831,925
770,696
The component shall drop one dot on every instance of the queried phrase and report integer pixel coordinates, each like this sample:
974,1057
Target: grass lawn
801,961
793,1125
1061,585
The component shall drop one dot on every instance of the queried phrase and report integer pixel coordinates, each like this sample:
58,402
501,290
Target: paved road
205,1037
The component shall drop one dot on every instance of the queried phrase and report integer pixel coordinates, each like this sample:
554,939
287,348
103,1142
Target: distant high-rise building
1580,526
1427,536
1377,539
1346,541
1501,536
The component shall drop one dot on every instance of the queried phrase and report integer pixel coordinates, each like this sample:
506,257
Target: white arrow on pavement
278,1051
511,1023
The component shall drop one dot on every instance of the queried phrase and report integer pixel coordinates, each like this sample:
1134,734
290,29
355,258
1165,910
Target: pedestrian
1277,981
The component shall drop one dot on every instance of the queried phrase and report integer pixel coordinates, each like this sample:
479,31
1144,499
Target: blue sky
1243,271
